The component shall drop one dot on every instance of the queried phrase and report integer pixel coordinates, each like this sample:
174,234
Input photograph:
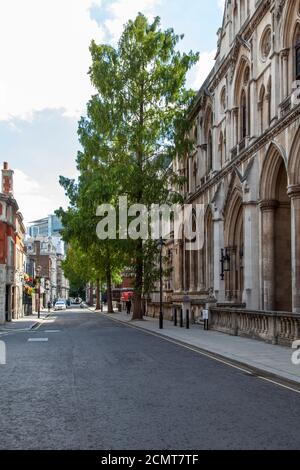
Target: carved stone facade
245,167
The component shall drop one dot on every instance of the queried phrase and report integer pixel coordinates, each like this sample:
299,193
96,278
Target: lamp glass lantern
226,261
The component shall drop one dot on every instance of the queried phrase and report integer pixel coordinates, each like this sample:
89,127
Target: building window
243,115
266,44
297,55
223,100
209,139
221,149
209,153
261,106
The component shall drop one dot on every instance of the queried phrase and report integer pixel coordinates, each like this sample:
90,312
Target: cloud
221,4
31,197
44,50
201,70
41,148
121,11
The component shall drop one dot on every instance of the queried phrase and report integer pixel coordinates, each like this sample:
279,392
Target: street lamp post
38,279
161,315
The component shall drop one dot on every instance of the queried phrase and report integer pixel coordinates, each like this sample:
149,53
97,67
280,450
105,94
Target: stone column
235,126
180,266
294,193
192,255
268,209
201,281
251,256
275,90
253,111
285,72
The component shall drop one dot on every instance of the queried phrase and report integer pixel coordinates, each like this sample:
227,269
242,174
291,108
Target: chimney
7,180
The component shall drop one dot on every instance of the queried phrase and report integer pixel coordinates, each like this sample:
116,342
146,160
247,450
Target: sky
44,86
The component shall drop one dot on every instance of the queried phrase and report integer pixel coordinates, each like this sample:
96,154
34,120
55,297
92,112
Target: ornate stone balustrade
272,327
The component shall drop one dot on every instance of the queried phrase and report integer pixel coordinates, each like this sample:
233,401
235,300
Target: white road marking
52,331
40,340
277,383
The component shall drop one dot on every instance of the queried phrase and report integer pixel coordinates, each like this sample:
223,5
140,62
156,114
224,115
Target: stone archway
276,234
294,194
234,241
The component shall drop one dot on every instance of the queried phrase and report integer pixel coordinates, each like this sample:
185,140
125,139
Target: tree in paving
137,124
86,266
101,259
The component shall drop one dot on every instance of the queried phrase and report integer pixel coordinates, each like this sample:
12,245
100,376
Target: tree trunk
137,301
91,295
109,294
98,304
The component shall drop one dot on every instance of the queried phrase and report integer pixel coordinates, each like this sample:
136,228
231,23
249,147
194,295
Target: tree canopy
136,125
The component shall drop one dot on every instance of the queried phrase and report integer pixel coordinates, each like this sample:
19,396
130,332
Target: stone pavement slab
267,358
23,324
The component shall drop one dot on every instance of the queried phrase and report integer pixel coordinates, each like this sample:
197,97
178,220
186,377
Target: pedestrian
49,306
128,306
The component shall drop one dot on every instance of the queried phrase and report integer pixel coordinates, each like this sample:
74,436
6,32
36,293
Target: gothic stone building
245,169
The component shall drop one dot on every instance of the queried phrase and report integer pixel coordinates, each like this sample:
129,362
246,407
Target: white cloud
201,70
31,197
44,51
221,4
121,11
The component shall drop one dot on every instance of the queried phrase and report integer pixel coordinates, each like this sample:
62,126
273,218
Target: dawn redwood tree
137,123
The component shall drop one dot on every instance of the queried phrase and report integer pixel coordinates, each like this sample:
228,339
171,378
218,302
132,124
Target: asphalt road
97,384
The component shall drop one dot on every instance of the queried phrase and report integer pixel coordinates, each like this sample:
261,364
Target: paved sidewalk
25,323
259,356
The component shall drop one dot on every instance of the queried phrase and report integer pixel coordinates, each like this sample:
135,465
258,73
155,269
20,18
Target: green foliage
136,125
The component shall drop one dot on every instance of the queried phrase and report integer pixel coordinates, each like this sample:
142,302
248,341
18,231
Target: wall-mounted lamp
225,262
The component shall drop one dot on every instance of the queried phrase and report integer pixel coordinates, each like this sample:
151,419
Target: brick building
12,256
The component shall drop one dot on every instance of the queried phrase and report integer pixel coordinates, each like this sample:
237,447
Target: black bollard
181,318
187,319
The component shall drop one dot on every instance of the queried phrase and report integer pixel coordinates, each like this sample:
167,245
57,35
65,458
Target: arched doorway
276,234
234,238
294,194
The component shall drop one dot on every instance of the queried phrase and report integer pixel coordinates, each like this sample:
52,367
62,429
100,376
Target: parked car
60,305
83,305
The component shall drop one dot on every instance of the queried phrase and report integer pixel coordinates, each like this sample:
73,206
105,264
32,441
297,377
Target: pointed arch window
221,149
297,53
261,108
235,18
269,99
209,152
209,139
244,115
